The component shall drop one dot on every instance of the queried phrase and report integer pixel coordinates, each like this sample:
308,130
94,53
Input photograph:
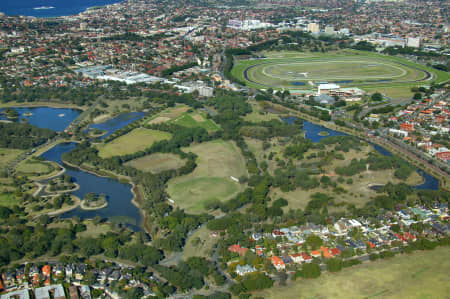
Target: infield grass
392,75
136,140
217,161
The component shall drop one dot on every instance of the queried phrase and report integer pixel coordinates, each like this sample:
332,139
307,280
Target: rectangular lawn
136,140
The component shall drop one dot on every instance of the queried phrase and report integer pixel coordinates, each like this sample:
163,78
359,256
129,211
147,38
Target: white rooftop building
52,291
20,294
327,87
247,24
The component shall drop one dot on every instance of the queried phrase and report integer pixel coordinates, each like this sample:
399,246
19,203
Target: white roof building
328,86
57,292
20,294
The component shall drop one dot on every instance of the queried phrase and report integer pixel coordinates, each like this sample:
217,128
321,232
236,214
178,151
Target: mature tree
334,265
376,97
311,270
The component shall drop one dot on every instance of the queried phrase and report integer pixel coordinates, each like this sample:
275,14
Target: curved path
427,75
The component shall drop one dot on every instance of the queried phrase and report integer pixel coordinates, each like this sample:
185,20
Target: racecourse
345,68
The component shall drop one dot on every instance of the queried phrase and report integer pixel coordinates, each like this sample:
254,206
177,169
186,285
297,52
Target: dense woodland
23,136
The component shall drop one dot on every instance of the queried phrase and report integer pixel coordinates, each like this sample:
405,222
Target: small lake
119,195
312,132
117,123
57,119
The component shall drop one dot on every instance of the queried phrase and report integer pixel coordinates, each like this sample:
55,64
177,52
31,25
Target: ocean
49,8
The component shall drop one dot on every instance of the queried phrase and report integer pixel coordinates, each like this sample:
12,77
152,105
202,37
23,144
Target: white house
243,270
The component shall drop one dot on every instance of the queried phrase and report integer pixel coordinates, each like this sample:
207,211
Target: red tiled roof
238,249
335,251
276,260
305,256
326,252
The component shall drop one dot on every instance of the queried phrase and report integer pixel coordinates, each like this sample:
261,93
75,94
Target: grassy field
168,114
157,162
392,75
196,119
28,167
8,155
217,161
8,200
260,113
199,243
94,231
184,116
417,276
137,140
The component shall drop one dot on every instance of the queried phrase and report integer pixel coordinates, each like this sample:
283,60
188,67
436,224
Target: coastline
42,105
75,12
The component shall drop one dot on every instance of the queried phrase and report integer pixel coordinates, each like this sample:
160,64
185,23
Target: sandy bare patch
175,112
101,118
159,119
198,118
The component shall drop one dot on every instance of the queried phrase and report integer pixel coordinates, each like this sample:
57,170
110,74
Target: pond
117,123
57,119
312,132
118,195
315,132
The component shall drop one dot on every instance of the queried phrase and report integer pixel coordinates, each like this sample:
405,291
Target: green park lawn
136,140
211,180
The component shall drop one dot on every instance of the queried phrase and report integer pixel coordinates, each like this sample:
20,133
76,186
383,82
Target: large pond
117,123
119,196
57,119
312,132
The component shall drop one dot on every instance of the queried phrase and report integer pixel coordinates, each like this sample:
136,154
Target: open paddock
421,274
217,161
134,141
157,162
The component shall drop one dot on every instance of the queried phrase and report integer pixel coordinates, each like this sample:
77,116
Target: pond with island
57,119
316,133
119,207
